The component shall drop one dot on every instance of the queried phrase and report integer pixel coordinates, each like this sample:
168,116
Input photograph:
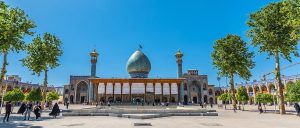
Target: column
154,91
130,95
114,92
96,92
105,85
178,92
162,91
121,92
90,93
145,85
170,86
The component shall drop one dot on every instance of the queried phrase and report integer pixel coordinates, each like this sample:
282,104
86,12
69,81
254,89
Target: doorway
82,99
195,100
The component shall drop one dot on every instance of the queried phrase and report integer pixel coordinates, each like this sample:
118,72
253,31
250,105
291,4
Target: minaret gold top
94,53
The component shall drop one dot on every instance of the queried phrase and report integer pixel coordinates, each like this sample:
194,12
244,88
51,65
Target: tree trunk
232,91
279,85
3,69
45,83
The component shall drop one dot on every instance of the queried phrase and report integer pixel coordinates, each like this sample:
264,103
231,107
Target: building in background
14,81
186,88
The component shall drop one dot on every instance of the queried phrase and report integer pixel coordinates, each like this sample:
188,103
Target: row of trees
275,30
34,95
291,95
43,52
243,97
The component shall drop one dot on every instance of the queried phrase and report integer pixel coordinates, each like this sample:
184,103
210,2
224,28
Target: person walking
260,108
67,104
297,107
37,111
55,111
8,111
22,108
28,110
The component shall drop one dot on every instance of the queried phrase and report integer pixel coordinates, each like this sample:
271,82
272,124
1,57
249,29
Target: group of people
26,109
296,106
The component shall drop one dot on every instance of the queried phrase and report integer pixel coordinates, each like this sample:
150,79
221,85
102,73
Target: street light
274,92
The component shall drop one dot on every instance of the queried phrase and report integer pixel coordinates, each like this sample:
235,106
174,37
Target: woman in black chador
22,108
37,111
297,107
55,111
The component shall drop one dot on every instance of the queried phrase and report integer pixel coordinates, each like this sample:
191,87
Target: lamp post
274,92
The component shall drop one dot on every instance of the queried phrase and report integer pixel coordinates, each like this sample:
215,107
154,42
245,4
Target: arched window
204,87
210,92
66,91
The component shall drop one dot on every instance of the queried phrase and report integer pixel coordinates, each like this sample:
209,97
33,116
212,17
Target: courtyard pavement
226,119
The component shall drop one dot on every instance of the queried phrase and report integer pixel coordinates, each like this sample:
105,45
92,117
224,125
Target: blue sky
117,27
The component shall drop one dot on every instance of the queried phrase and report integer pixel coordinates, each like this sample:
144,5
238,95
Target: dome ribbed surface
138,65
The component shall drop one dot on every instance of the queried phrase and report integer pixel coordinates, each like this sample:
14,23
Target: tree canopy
14,26
270,31
264,98
34,95
52,96
231,56
224,97
293,92
242,94
15,95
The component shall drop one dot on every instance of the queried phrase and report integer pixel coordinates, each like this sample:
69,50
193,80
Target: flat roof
136,80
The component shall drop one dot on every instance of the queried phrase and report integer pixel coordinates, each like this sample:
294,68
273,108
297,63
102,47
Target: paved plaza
226,119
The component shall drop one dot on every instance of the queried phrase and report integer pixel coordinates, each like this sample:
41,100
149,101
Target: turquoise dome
138,65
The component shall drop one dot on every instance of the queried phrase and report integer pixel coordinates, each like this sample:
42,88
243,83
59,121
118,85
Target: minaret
94,56
179,56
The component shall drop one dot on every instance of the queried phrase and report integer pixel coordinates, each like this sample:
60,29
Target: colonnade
95,96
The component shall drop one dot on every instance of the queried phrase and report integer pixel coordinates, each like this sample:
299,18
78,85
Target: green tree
14,95
272,30
231,57
34,95
52,96
264,98
242,95
14,26
293,92
224,97
43,53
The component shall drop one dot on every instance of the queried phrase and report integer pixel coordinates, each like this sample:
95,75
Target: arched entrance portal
81,93
195,100
71,99
211,100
